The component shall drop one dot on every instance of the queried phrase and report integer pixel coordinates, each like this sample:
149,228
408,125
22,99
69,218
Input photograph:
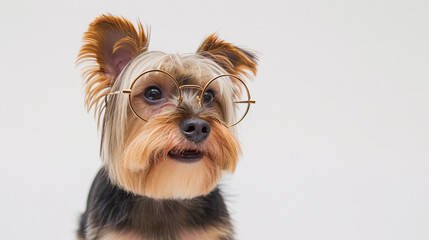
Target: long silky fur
141,192
132,149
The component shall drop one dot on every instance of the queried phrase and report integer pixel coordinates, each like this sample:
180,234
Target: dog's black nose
195,129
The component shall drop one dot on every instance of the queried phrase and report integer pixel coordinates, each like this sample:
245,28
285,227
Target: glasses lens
229,97
152,92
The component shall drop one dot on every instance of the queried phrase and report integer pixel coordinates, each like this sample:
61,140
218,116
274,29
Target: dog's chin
182,176
178,175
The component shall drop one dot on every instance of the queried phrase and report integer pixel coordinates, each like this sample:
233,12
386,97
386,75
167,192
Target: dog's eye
208,96
152,94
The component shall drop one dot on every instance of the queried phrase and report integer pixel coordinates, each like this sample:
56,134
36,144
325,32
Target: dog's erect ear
109,45
233,59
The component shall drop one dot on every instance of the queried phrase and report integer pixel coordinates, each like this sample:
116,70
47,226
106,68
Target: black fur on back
110,207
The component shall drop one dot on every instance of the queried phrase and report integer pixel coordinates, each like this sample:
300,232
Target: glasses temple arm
128,91
249,101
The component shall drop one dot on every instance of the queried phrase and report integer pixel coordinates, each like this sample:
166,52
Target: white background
337,146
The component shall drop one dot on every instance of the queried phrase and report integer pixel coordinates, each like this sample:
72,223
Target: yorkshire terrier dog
167,133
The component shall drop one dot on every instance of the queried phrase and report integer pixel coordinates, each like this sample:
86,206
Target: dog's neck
116,209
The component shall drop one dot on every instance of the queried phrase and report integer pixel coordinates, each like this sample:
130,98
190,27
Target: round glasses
155,89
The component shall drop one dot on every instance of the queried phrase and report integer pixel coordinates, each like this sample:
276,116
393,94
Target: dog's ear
233,59
109,45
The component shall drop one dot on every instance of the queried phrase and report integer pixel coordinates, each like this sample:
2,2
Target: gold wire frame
180,87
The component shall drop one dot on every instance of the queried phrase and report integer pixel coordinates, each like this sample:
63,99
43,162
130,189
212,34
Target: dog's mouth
187,156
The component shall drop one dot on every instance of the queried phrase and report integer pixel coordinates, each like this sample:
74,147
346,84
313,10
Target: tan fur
211,233
233,59
122,235
146,169
106,36
118,116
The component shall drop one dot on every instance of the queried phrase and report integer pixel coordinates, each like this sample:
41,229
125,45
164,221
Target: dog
167,124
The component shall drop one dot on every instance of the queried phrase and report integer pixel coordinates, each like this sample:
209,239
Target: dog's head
166,130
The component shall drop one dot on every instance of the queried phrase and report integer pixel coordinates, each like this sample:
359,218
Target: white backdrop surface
337,146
